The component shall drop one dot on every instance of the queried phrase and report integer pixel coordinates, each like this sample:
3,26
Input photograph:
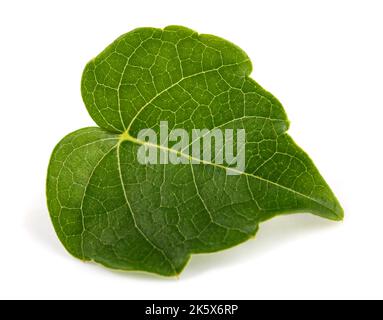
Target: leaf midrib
126,137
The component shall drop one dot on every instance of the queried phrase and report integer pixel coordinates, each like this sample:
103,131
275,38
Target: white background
322,59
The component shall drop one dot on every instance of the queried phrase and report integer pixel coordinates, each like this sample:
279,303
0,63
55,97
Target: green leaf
108,208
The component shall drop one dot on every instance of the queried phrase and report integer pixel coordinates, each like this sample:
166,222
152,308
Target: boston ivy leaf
107,207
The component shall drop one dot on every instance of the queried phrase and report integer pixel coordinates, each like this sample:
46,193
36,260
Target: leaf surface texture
108,208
